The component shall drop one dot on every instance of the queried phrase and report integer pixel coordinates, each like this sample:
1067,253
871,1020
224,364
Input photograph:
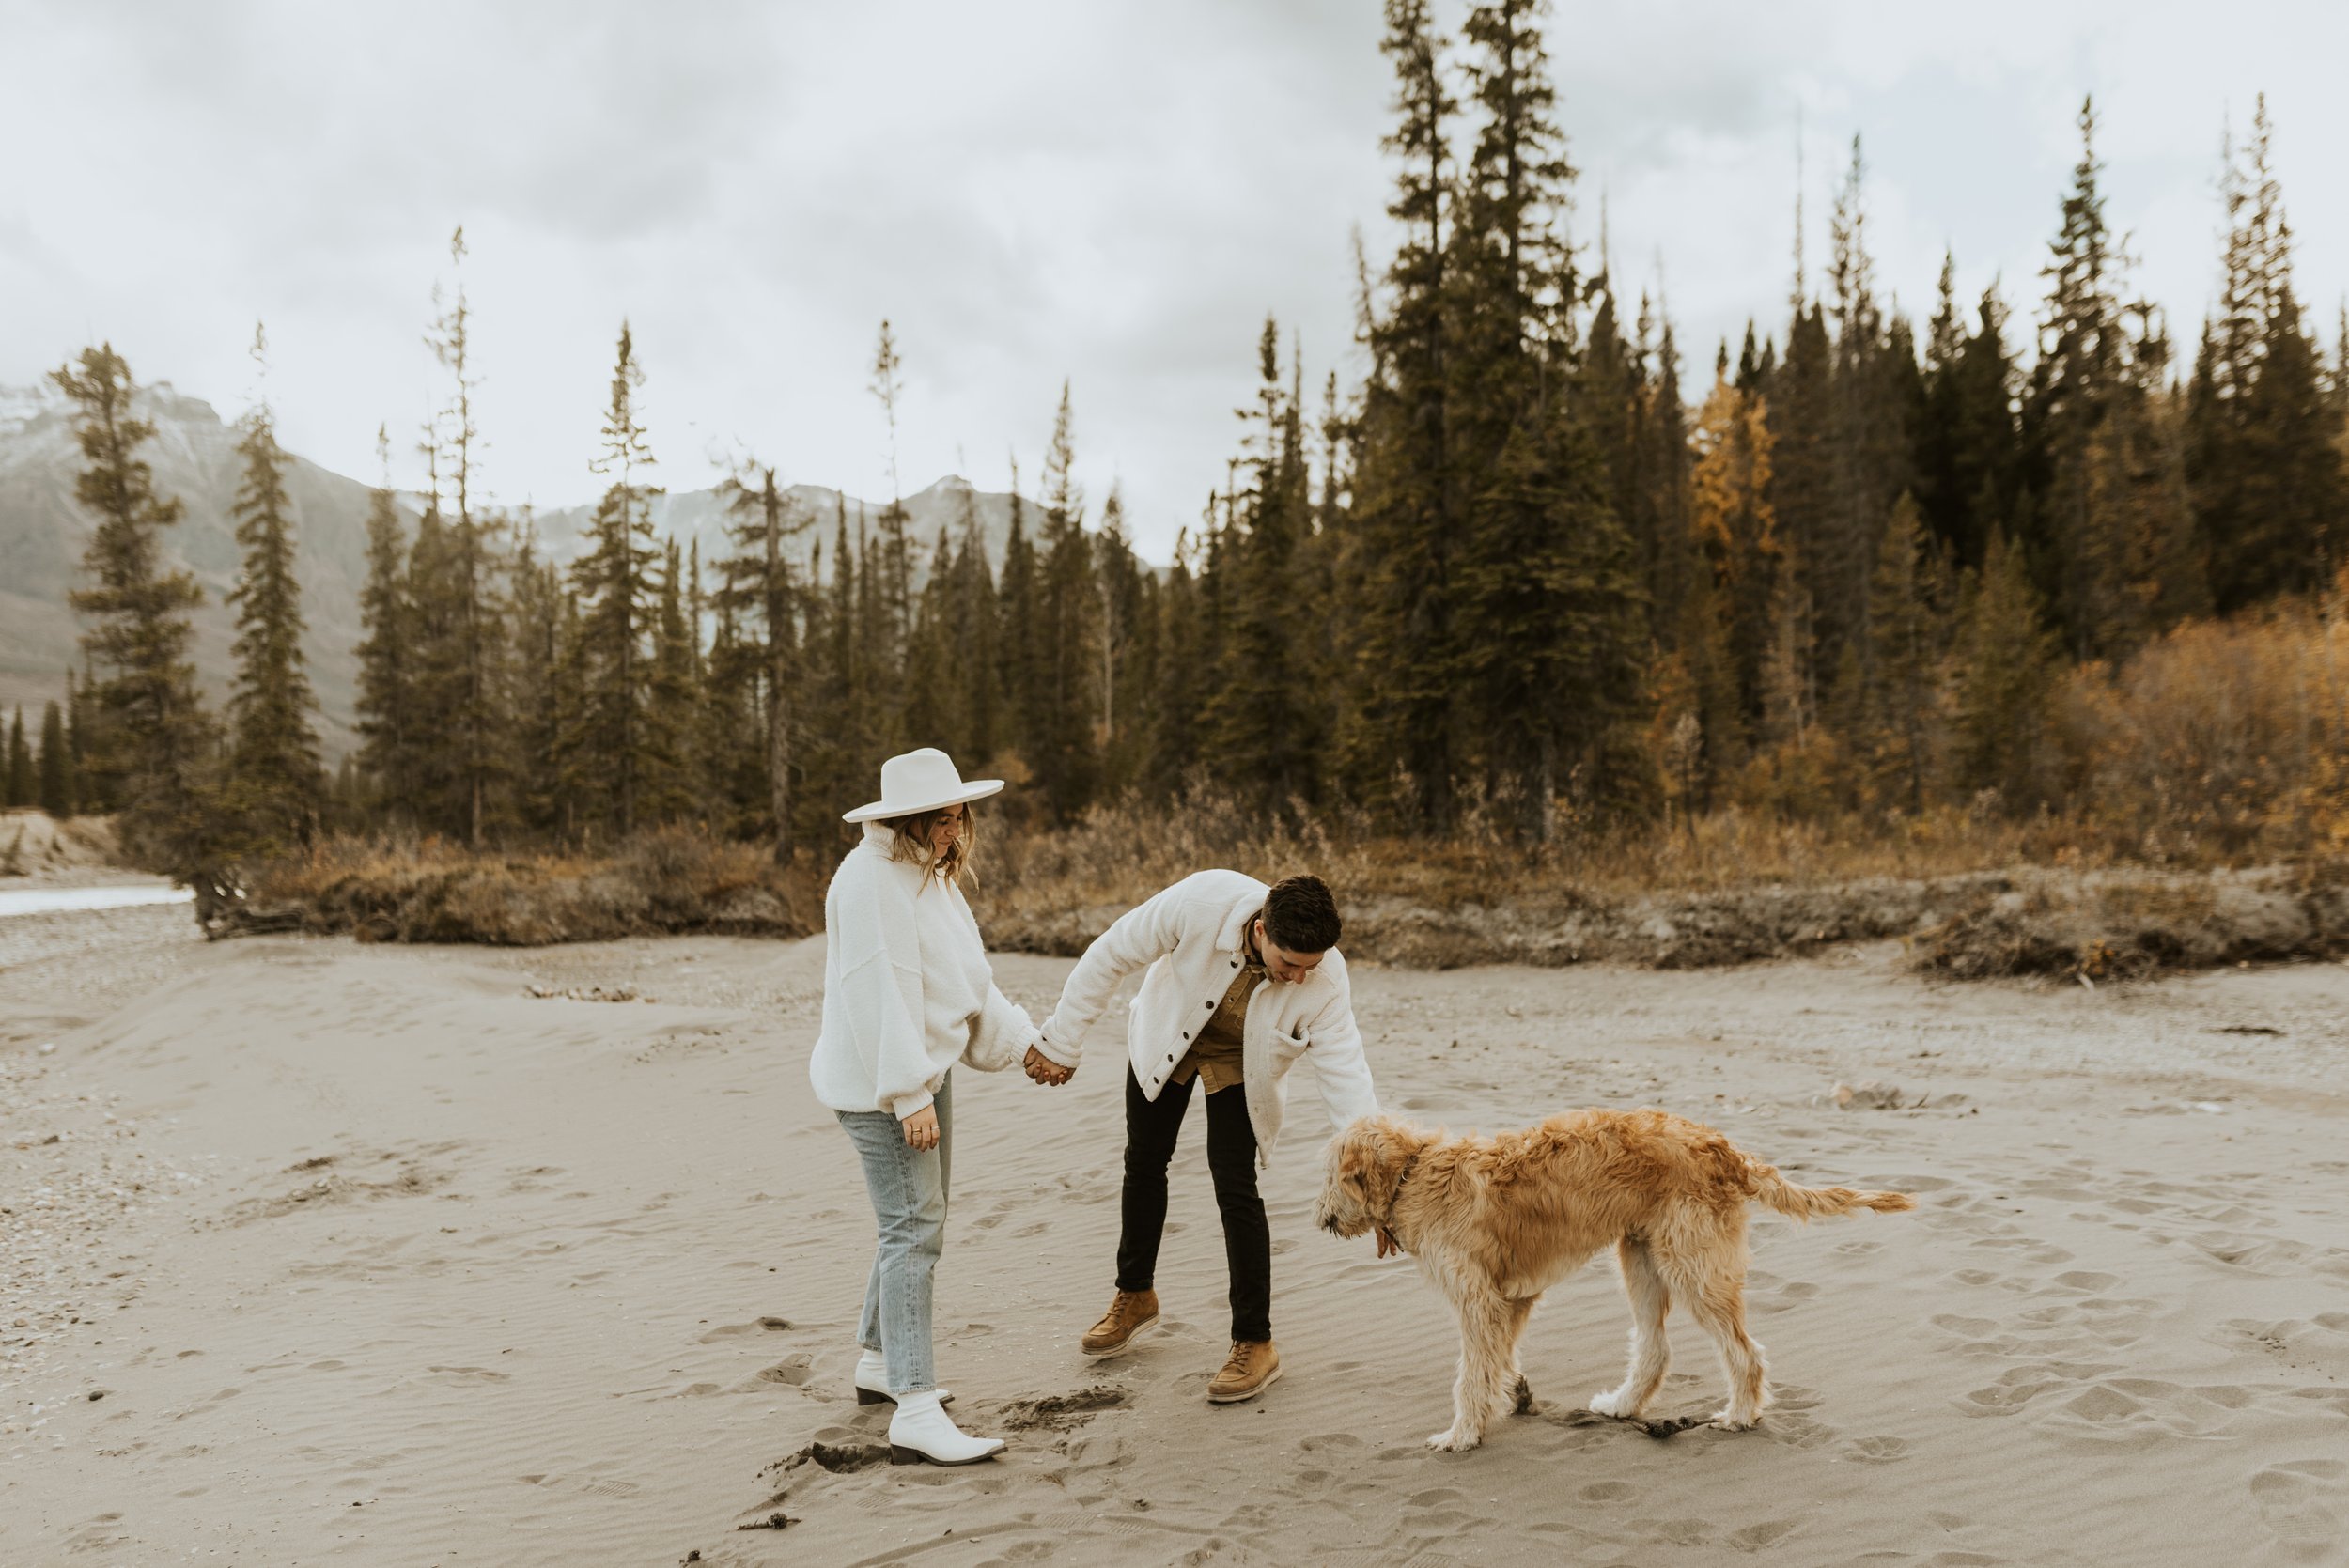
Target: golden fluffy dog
1496,1222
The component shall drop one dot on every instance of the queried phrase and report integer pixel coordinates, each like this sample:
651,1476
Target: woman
906,994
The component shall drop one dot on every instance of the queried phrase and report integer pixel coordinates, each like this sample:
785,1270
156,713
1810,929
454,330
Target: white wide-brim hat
922,780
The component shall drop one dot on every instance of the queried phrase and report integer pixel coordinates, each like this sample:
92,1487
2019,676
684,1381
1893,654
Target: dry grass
670,881
1730,889
1725,889
1979,896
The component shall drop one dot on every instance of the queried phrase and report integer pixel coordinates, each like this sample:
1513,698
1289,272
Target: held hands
1387,1246
922,1129
1045,1071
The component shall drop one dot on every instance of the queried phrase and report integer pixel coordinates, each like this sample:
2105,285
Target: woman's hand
1045,1071
922,1129
1387,1246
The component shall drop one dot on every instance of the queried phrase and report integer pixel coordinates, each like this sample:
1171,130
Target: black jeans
1150,1129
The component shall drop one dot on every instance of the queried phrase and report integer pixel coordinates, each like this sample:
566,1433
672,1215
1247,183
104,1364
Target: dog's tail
1772,1190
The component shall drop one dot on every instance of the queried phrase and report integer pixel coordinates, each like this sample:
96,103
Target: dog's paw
1728,1421
1522,1397
1610,1404
1453,1440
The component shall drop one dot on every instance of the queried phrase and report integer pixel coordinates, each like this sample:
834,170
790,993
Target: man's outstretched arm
1139,936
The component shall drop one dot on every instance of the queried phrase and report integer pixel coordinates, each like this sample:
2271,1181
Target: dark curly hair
1300,915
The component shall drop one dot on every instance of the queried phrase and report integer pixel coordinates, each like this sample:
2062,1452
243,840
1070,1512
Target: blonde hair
911,843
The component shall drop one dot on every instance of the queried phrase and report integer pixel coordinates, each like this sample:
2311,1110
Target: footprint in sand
601,1487
2087,1282
1877,1450
2303,1504
2015,1387
1769,1532
763,1325
845,1452
792,1371
1061,1412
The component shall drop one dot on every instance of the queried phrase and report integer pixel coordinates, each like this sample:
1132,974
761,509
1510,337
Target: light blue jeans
908,1187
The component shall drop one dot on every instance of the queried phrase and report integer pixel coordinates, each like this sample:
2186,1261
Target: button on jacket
1192,938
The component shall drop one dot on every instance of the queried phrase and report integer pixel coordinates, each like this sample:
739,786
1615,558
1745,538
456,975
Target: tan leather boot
1130,1313
1253,1367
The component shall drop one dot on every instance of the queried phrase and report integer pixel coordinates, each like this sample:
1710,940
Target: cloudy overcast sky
1114,194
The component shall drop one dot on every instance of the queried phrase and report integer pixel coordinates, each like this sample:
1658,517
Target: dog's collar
1409,1164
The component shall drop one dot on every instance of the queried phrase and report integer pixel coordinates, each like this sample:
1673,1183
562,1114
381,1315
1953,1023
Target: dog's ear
1377,1148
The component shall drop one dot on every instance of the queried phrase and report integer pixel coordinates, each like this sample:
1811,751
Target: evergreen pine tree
1736,533
1968,456
1660,507
835,743
1799,406
928,684
613,752
2085,533
539,674
2005,663
1017,645
389,725
1899,728
2262,448
274,764
1614,399
673,702
875,691
145,736
18,787
1789,681
1547,579
758,593
1065,706
2143,552
971,633
1401,725
1871,390
1265,720
896,564
461,673
1130,664
57,764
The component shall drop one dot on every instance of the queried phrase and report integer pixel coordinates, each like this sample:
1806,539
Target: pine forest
1546,578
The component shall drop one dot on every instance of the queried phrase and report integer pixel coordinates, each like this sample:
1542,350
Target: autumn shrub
2223,741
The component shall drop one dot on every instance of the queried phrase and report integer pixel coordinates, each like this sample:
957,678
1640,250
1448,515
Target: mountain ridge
43,531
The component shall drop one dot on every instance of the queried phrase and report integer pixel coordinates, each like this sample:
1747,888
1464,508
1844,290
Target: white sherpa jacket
1191,936
907,987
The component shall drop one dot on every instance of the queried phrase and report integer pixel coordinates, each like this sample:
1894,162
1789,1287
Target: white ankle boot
921,1432
872,1381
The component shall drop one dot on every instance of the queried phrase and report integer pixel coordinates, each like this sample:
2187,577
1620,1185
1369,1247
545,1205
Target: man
1243,980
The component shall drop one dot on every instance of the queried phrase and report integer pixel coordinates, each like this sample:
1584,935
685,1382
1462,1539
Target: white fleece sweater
907,987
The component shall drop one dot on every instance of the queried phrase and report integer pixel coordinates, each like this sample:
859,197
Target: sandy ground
316,1253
